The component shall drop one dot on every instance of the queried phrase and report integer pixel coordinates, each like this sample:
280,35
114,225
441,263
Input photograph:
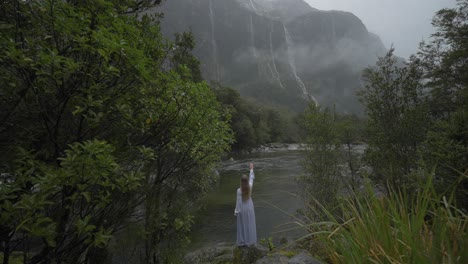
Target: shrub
419,227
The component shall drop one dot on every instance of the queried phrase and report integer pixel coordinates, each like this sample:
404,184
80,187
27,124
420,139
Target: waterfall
252,39
271,71
292,64
253,6
213,42
275,72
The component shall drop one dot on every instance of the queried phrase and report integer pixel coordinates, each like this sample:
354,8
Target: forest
110,136
404,199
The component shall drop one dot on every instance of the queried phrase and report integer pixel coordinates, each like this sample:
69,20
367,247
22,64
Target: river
275,186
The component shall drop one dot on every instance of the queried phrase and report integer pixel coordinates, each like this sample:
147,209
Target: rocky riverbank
225,253
271,147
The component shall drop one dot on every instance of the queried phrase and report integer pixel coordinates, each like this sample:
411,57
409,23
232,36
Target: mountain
281,52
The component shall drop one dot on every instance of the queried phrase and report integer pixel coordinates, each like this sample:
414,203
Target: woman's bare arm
251,175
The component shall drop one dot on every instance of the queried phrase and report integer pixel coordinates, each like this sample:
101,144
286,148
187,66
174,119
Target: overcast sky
401,22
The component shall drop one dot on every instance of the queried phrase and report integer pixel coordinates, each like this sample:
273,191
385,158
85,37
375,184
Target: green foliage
444,63
331,140
444,60
323,157
268,242
418,112
183,45
397,119
255,124
102,122
416,120
87,202
397,228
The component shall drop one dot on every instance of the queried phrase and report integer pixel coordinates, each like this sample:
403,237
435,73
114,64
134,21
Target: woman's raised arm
251,175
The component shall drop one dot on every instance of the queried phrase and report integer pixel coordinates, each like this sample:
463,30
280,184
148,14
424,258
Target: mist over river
275,184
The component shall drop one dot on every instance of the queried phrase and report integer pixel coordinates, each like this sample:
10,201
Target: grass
414,227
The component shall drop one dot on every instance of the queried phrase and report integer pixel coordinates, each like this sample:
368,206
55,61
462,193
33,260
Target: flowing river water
274,195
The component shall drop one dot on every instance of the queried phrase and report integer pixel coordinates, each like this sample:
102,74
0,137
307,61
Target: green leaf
87,196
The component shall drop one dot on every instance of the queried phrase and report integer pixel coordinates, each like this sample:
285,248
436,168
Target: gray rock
223,253
303,258
273,259
248,255
227,258
218,253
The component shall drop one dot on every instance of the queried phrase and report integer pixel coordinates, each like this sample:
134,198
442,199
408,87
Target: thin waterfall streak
272,54
271,70
252,44
292,62
252,38
253,6
213,42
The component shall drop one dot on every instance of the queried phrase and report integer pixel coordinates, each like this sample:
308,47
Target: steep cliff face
277,51
283,10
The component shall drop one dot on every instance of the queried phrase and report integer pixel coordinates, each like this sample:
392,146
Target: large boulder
249,255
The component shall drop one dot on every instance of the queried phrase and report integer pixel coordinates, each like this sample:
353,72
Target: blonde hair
245,188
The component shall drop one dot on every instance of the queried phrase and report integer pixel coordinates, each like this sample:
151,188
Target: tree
352,136
444,60
102,125
397,119
332,162
323,180
255,124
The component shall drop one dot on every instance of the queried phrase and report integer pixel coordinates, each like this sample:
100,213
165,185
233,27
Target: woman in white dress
246,228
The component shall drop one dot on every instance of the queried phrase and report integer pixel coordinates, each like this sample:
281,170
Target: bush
422,227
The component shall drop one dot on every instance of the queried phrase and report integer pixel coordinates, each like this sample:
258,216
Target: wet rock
216,254
223,253
223,259
280,258
303,258
277,145
273,259
249,255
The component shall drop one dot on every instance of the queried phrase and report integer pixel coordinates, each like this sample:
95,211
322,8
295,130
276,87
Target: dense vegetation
331,156
255,124
109,135
414,209
105,130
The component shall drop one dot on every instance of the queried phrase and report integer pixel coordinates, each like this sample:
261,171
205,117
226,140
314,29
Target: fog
403,23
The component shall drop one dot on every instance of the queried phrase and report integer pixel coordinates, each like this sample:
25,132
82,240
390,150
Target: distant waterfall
253,6
292,63
252,39
272,55
213,42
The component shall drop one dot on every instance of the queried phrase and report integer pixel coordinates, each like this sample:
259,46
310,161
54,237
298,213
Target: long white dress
246,228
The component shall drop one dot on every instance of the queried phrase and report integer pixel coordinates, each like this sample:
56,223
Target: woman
246,228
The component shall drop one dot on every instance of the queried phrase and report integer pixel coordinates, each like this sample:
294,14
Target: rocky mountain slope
282,52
